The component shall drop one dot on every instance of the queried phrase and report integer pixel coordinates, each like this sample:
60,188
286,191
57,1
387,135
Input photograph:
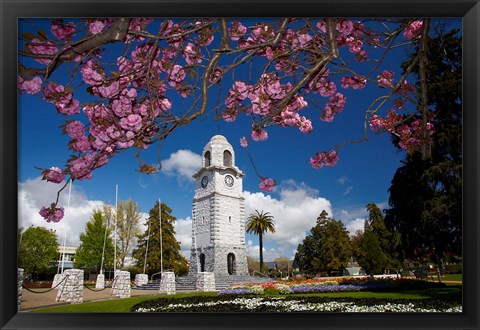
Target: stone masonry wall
19,286
71,289
121,286
100,282
141,279
205,282
167,283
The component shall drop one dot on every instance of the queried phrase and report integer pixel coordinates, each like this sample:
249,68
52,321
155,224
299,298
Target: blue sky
362,175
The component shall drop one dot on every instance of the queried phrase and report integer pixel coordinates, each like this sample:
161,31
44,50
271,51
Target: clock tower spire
218,225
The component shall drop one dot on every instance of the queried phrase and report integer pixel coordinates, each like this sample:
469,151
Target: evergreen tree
327,248
172,259
426,194
38,251
92,242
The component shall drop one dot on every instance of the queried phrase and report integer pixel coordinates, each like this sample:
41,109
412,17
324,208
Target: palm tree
258,224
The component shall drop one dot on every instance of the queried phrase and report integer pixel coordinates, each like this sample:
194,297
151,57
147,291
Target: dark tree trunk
260,243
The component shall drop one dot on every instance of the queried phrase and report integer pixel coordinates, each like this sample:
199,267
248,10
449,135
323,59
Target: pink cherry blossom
385,79
354,82
345,27
96,26
259,135
54,174
413,30
266,184
75,129
42,47
131,122
177,75
52,213
305,125
236,31
244,142
62,30
324,158
92,74
191,54
32,86
82,144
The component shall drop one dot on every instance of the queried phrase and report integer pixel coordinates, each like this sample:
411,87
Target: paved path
32,300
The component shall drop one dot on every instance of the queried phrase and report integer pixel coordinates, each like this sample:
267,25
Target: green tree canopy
89,252
258,224
172,259
326,248
38,251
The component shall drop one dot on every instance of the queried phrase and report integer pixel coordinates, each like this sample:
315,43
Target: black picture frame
11,10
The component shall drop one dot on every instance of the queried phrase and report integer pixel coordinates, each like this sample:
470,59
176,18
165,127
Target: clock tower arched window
207,158
227,158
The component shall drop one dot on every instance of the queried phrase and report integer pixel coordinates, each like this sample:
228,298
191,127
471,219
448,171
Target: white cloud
182,163
183,234
343,180
355,225
35,193
348,190
295,213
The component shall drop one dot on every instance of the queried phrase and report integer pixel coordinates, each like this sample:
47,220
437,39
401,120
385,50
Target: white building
67,255
218,225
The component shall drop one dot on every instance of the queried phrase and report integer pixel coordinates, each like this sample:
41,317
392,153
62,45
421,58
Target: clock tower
218,225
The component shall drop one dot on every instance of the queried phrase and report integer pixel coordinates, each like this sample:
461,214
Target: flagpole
65,235
161,239
115,232
146,249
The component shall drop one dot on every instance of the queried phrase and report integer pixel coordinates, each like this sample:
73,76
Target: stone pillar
19,286
100,283
121,286
205,281
57,279
167,283
141,279
71,289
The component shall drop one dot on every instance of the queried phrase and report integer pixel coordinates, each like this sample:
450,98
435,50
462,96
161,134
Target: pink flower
266,184
177,75
96,26
62,30
244,142
229,114
328,88
413,30
322,26
335,105
305,125
92,74
131,122
52,213
355,82
259,135
345,27
237,31
324,159
192,54
82,144
75,129
54,174
385,79
30,86
42,47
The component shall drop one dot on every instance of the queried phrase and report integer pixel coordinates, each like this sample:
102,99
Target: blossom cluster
324,158
412,135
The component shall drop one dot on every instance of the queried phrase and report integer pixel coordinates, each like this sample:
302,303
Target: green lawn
452,277
124,305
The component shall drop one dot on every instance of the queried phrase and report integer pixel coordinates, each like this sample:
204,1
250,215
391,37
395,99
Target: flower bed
337,285
294,304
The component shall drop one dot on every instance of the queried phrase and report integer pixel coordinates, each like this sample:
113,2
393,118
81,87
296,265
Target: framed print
254,164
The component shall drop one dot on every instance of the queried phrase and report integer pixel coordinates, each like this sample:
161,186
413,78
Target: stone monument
218,225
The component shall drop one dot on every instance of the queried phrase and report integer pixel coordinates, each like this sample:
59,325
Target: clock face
229,180
204,181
